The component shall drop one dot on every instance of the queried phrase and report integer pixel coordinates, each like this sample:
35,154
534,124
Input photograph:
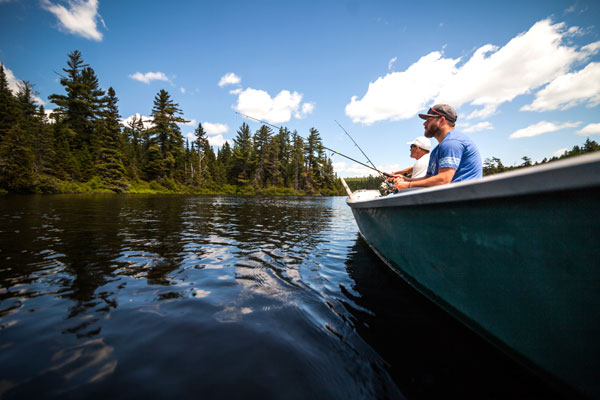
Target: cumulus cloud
542,127
147,121
216,140
80,18
214,129
307,108
490,77
259,104
590,129
481,126
229,79
149,77
401,95
569,90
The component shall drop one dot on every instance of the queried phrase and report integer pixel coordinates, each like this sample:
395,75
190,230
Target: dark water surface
218,298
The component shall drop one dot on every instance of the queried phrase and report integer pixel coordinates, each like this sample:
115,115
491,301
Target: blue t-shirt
456,151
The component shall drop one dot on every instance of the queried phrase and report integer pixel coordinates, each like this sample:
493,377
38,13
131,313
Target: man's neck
439,137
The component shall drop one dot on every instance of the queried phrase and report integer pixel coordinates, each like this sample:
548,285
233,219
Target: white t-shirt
420,167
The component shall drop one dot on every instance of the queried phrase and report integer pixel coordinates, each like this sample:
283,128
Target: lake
217,297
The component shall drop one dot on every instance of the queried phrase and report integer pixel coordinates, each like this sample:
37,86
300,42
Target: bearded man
454,159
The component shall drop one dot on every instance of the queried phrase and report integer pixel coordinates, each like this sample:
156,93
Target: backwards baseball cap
421,142
441,110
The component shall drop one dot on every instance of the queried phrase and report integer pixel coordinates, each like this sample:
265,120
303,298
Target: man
419,150
454,159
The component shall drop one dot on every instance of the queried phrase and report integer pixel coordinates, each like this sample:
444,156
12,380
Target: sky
524,76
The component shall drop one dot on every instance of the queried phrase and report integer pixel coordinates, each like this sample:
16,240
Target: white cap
422,142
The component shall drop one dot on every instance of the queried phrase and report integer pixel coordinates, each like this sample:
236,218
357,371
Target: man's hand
400,183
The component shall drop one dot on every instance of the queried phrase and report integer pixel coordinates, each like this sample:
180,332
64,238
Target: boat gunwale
573,173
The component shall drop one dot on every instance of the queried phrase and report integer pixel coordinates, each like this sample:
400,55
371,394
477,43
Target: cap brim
425,116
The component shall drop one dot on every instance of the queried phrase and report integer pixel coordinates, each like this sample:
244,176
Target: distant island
83,147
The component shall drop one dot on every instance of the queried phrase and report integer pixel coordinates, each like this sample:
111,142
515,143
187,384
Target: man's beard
432,131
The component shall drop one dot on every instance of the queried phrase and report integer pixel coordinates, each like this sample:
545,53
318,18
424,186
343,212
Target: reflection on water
219,297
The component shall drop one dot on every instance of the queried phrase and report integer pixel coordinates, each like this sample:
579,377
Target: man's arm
403,171
443,177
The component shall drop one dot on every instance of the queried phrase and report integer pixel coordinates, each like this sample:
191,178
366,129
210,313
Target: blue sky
523,76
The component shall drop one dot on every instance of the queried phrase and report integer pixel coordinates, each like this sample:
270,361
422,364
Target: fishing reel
387,187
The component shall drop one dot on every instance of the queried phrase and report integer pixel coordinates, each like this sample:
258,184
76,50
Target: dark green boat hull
521,270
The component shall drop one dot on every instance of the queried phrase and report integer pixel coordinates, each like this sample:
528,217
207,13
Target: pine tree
260,155
201,163
42,143
79,110
314,155
225,160
16,160
166,116
8,104
134,146
109,163
242,164
297,163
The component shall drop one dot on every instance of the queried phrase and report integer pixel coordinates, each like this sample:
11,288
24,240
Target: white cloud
147,121
214,129
569,90
559,152
590,129
229,79
236,91
484,112
542,127
260,105
149,77
492,76
217,140
481,126
401,95
391,63
79,19
307,108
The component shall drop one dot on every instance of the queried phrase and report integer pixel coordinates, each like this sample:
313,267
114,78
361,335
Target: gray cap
441,110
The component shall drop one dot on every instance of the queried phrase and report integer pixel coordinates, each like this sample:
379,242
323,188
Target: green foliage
85,148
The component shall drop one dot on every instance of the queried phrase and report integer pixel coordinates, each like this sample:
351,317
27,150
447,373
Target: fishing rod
356,144
326,148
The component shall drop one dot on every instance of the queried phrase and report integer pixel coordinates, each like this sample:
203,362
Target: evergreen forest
82,146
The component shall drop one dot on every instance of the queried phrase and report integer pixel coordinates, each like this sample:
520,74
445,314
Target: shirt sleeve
451,154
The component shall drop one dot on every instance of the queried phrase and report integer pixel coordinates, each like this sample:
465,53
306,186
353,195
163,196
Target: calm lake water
219,297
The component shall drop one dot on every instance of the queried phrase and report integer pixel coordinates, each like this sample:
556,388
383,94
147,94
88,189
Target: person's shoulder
457,136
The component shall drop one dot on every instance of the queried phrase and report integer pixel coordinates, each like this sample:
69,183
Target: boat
513,256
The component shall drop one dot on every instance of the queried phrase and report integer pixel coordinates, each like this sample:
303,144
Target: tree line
83,146
491,165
